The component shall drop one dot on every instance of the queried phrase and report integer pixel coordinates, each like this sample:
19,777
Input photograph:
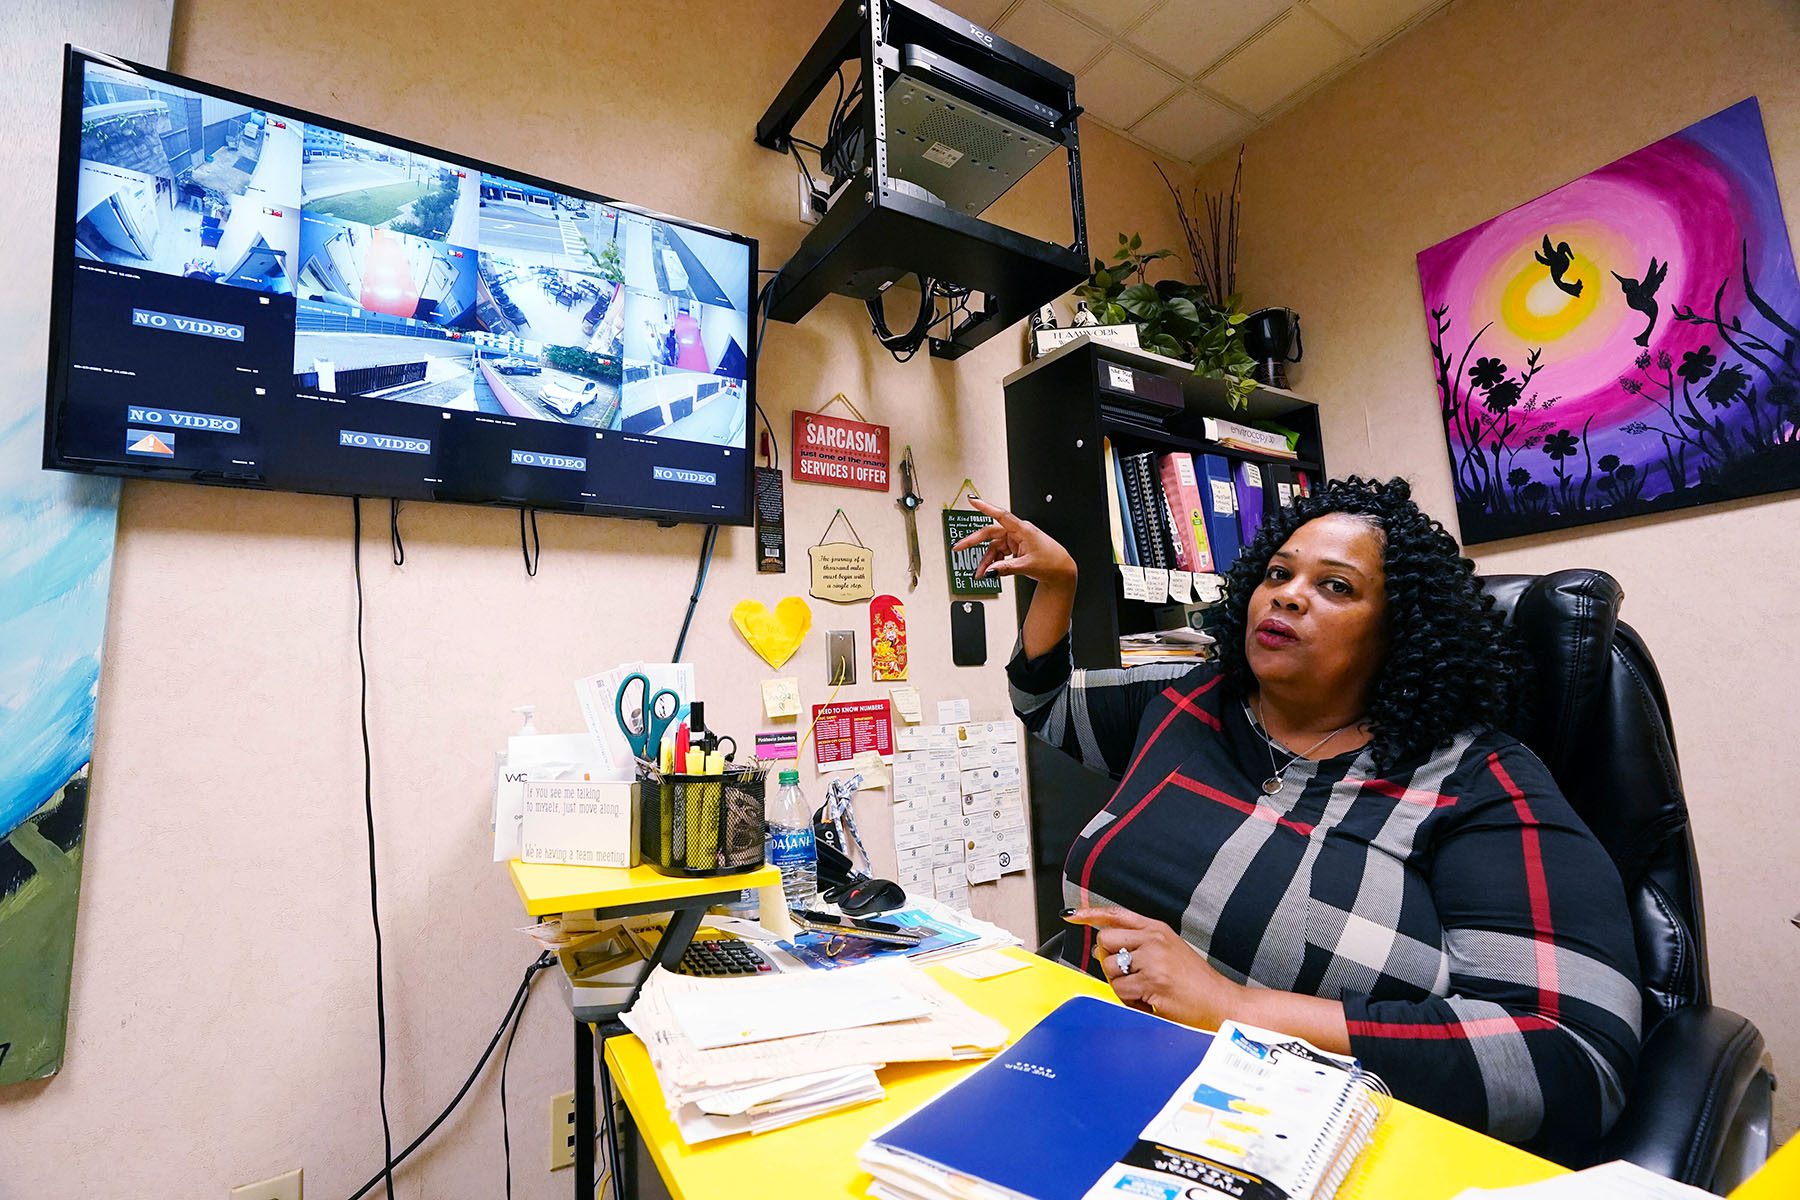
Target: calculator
723,956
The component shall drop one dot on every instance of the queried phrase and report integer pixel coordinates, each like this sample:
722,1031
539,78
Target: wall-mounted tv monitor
252,295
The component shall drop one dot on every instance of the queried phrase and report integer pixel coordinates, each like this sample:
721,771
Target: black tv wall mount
949,118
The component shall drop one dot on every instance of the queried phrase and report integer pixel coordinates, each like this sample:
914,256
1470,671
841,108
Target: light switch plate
840,656
281,1187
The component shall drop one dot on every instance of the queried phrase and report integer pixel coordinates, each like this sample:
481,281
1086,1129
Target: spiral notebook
1098,1100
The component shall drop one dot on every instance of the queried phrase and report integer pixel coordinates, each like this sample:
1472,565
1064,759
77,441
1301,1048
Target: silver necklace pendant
1271,785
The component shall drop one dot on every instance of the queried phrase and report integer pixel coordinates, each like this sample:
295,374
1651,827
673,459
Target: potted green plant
1174,317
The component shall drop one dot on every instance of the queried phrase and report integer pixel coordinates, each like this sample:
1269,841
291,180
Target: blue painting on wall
56,545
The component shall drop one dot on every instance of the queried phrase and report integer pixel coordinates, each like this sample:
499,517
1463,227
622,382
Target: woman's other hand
1168,977
1017,547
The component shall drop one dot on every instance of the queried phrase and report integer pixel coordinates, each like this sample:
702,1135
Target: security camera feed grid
185,184
417,280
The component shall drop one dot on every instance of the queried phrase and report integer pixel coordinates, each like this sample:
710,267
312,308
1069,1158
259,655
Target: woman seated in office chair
1326,834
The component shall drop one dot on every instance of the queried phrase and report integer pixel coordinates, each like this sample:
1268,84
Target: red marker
681,746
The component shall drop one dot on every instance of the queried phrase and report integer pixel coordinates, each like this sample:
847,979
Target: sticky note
907,704
781,697
874,772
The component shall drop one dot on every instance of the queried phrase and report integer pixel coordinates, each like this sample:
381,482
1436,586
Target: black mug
1272,337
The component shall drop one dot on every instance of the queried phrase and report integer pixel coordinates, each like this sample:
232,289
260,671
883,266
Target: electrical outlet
281,1187
562,1131
809,201
840,656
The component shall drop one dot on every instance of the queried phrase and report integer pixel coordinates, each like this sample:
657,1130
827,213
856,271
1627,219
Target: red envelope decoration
887,638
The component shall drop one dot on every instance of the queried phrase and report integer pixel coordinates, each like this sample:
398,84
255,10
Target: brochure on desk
828,952
1106,1102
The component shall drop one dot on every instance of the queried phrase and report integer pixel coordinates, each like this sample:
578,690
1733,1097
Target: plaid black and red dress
1472,926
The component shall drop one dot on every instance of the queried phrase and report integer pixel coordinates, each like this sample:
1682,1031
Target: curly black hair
1451,665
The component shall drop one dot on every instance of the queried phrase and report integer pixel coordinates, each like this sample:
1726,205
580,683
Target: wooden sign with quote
842,572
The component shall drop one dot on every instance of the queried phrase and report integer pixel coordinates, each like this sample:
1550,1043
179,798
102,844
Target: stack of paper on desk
751,1054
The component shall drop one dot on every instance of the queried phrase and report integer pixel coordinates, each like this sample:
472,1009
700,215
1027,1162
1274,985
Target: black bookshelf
1057,412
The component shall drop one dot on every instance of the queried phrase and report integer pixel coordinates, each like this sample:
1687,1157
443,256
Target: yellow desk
1779,1178
624,892
1416,1156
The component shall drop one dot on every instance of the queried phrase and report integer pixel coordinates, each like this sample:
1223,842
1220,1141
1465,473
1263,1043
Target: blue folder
1049,1115
1221,526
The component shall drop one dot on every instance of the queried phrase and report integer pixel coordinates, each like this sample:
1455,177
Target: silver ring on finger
1125,961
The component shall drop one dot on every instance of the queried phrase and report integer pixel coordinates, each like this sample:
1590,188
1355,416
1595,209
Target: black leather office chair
1699,1109
1597,716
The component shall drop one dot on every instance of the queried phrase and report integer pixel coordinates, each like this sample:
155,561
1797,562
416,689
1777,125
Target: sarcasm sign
842,452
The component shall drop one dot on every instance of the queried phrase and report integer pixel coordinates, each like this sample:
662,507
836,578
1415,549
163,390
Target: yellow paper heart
774,635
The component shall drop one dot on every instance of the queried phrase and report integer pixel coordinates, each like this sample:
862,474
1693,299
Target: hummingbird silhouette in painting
1558,258
1641,294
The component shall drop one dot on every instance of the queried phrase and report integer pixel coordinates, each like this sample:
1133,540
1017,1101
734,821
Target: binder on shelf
1115,526
1220,495
1166,1110
1127,527
1160,544
1193,550
1143,535
1249,485
1278,488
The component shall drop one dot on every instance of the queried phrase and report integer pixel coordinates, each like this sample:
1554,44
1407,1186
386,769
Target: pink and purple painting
1626,344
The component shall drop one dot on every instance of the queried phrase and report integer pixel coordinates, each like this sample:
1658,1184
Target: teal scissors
650,716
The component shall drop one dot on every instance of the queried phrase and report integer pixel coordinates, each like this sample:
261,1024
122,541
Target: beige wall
1481,108
223,1025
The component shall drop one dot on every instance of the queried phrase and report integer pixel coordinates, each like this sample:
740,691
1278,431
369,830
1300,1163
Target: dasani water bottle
788,841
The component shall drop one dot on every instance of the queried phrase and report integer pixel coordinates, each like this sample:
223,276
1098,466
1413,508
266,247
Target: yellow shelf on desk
547,888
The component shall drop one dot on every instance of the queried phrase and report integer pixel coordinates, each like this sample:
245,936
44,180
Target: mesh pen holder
698,825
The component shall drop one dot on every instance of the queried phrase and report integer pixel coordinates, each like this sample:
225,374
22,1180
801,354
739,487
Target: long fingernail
1066,913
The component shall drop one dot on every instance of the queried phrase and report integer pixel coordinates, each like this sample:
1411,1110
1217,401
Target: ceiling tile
1051,33
982,12
1280,61
1111,14
1368,21
1121,87
1190,125
1192,35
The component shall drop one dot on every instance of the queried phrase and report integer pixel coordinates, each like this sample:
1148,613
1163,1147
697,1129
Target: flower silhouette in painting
1487,372
1561,444
1518,477
1726,386
1697,364
1630,385
1643,361
1609,463
1502,396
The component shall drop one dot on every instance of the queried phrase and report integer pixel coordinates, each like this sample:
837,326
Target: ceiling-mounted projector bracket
960,113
